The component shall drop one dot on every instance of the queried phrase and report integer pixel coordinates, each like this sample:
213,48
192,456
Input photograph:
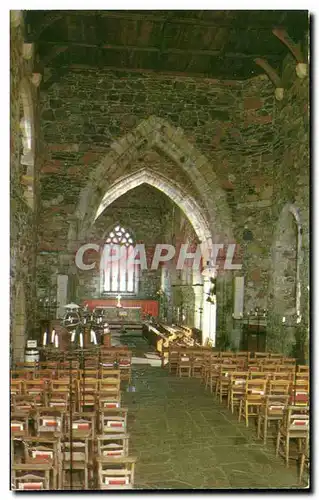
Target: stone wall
22,194
291,189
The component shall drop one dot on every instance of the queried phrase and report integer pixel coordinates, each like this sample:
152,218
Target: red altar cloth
147,306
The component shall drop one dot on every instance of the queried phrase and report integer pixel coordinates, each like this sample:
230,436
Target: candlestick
44,339
52,336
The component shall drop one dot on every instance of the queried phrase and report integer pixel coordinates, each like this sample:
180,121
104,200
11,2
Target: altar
138,309
128,314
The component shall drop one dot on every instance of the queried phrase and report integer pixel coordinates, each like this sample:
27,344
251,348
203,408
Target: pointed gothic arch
185,202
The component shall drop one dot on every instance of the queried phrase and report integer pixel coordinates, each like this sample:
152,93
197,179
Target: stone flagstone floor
185,439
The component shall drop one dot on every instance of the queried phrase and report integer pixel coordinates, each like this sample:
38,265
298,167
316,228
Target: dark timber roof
216,44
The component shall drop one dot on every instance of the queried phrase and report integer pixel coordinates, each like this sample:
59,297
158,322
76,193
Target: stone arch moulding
185,202
288,210
155,132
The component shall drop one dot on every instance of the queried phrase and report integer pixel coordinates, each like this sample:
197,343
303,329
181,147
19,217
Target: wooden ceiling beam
133,48
206,75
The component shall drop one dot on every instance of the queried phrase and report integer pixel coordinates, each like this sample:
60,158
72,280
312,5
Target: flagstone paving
185,439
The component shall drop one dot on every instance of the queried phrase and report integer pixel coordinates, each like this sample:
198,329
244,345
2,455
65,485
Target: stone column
209,316
198,299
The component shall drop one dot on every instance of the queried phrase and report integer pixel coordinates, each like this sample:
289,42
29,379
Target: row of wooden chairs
97,441
83,392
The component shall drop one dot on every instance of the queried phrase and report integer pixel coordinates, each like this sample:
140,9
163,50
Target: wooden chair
275,355
124,361
87,391
236,388
29,477
59,400
113,421
207,362
83,425
109,401
286,368
43,374
116,473
23,403
37,388
16,387
283,376
212,376
300,393
79,449
44,451
90,373
173,359
304,369
112,445
19,423
108,359
257,375
49,421
197,364
289,361
20,374
252,399
184,366
278,387
223,380
295,425
108,386
254,365
110,374
266,368
261,355
271,410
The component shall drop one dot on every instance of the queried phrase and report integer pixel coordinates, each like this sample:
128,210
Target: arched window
118,273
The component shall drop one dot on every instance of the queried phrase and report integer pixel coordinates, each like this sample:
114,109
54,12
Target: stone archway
19,324
156,133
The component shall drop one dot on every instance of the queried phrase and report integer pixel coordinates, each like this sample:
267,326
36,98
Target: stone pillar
209,316
198,299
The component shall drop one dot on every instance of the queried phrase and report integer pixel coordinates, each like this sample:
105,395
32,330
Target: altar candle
56,341
73,336
44,338
92,335
81,339
283,319
52,336
84,321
